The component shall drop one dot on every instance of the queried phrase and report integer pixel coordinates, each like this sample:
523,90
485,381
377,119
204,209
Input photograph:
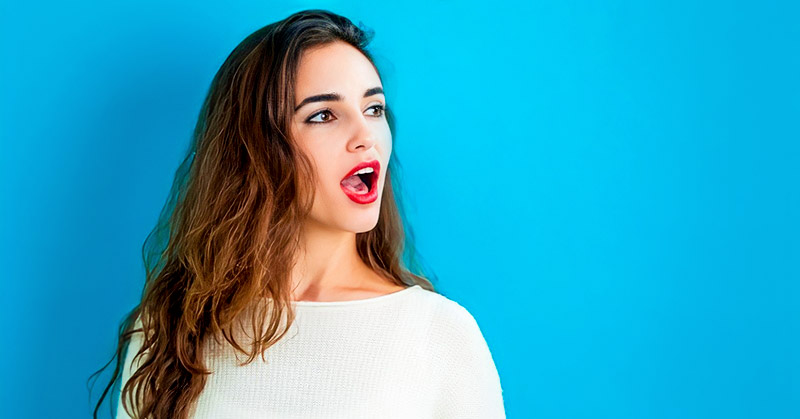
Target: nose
363,137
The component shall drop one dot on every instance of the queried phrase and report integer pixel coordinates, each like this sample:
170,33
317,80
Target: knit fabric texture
410,354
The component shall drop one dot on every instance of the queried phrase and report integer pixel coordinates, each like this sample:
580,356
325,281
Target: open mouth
360,183
369,179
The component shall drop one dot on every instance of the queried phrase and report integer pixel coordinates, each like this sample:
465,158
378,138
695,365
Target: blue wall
611,188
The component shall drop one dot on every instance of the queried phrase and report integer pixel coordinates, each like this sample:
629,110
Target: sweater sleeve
133,347
469,381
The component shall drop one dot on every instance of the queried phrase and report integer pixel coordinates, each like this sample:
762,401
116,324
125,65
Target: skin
351,131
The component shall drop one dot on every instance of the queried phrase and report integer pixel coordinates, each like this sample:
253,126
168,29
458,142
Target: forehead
335,67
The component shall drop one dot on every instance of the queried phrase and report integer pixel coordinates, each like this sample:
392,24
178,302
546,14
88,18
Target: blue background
611,188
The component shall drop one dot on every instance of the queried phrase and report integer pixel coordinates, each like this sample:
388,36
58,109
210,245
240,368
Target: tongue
354,183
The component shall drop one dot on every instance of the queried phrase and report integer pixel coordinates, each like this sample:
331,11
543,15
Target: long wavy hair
228,235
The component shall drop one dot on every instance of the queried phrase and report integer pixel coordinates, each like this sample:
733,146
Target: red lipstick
370,179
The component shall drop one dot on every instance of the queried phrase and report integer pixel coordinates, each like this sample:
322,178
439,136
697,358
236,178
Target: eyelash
309,120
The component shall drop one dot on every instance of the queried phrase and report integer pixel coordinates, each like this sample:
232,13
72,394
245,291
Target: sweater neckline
361,301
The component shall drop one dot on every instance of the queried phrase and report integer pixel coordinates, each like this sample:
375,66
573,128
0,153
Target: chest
322,375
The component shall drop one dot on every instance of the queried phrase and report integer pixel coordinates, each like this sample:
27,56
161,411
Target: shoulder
454,329
467,381
134,354
450,321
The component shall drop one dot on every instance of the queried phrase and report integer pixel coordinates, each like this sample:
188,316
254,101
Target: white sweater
410,354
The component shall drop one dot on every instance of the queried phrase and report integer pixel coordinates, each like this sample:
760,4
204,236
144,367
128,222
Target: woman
283,233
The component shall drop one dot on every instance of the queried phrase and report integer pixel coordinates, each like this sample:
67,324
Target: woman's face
340,130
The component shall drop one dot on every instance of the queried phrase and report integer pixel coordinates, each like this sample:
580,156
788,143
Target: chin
361,227
346,215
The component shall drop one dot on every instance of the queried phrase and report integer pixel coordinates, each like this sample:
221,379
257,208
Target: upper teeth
364,170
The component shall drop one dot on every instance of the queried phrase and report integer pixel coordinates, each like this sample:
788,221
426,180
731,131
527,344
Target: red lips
374,164
372,195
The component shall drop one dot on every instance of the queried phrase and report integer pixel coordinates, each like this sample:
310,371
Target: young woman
283,241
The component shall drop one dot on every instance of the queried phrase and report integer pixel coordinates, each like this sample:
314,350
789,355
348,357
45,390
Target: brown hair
229,232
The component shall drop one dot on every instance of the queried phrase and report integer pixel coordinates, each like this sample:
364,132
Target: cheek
387,141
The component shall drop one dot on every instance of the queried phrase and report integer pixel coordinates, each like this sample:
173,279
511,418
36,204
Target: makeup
360,184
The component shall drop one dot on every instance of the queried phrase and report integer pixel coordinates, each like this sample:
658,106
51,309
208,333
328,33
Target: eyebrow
335,97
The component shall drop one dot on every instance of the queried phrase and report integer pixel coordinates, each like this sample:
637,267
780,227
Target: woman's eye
326,115
311,120
380,109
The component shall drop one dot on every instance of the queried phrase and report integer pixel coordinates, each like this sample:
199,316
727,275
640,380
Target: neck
328,263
